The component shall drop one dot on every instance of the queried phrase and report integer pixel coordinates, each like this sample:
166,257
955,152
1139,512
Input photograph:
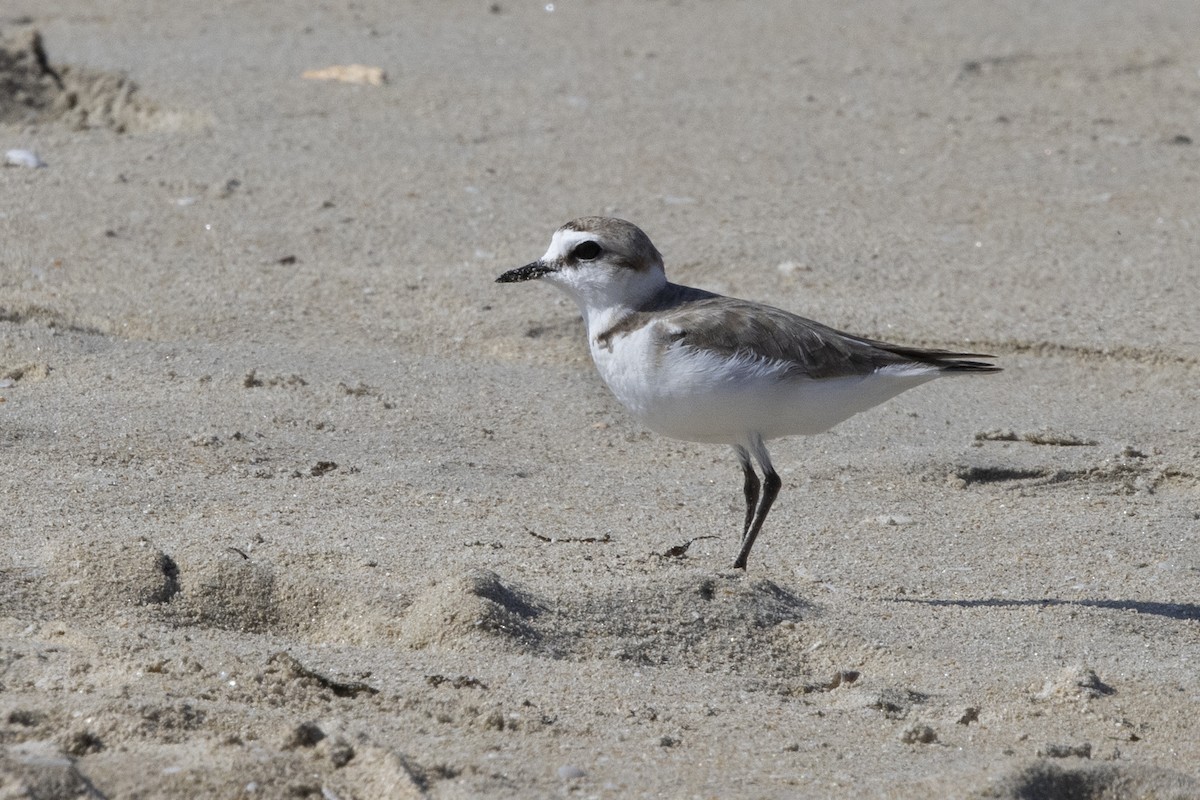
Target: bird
698,366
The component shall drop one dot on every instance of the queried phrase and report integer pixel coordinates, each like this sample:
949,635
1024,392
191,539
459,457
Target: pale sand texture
964,593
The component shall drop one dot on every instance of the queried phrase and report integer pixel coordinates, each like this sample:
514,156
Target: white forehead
563,241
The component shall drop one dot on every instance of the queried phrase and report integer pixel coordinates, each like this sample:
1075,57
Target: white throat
605,291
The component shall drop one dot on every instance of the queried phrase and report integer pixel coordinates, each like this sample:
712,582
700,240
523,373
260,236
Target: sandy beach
299,503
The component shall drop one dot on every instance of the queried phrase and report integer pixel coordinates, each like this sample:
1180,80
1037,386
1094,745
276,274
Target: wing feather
729,326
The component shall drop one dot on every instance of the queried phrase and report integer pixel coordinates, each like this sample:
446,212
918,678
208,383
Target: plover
701,367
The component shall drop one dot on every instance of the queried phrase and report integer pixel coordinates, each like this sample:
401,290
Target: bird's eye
586,251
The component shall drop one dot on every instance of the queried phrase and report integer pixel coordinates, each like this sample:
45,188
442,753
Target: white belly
700,396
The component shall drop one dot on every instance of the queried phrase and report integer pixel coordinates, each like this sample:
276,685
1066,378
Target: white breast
631,365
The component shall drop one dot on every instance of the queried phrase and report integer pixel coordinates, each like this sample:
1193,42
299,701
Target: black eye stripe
586,251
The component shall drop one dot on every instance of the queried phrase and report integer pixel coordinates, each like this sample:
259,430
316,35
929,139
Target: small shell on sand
23,158
347,73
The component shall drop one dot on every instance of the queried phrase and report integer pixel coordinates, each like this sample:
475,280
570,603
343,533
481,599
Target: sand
297,502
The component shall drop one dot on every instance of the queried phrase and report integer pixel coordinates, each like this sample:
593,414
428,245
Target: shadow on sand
1183,611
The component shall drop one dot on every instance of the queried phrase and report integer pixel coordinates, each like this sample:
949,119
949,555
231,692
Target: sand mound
228,590
376,772
691,618
1094,782
459,610
231,592
111,574
39,769
236,592
34,91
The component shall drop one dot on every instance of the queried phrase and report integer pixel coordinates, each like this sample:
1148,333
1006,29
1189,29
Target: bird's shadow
1180,611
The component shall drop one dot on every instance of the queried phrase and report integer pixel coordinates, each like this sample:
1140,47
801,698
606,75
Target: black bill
526,273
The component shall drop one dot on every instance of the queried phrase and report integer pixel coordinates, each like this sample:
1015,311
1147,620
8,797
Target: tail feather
946,360
970,366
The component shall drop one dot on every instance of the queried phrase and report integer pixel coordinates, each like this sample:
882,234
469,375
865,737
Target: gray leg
770,487
750,487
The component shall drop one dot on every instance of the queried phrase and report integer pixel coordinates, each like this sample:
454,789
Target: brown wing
725,325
